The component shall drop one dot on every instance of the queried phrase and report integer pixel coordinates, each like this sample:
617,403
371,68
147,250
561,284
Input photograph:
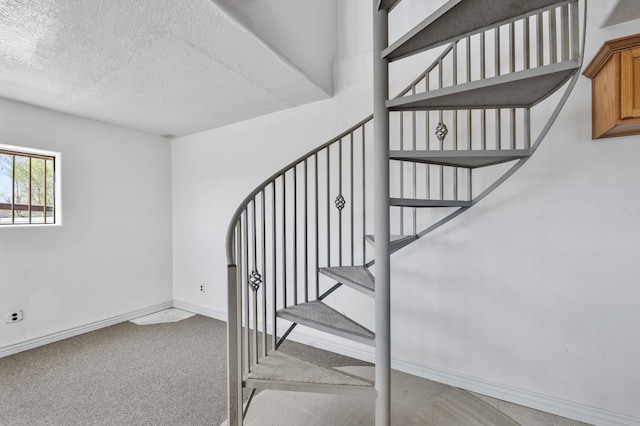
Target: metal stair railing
311,213
541,39
315,212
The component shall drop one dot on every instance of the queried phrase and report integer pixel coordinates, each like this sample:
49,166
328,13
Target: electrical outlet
14,316
202,288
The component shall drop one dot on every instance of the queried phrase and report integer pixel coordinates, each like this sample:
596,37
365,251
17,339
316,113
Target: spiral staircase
311,234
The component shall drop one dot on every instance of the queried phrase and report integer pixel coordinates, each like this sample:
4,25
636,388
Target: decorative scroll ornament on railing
340,202
441,132
255,280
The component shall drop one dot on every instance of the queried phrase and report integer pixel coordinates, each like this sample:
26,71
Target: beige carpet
415,401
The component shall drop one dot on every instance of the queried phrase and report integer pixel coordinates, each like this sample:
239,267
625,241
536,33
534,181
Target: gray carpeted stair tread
322,317
457,18
461,158
284,372
356,277
521,89
396,242
411,202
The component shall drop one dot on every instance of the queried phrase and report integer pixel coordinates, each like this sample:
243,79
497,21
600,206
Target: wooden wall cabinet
615,88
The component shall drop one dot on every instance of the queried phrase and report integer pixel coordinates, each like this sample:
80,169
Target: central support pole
234,333
381,217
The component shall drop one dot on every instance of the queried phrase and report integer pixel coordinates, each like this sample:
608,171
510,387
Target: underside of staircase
315,229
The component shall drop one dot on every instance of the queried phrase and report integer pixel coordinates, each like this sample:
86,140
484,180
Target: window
27,187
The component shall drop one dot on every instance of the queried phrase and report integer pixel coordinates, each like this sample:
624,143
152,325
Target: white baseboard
190,307
538,401
65,334
334,344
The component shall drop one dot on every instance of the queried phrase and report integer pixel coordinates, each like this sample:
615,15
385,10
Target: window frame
38,154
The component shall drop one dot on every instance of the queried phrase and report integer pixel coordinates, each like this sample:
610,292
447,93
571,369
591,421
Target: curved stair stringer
510,172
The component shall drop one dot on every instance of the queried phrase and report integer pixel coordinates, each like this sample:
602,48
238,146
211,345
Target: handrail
422,75
273,177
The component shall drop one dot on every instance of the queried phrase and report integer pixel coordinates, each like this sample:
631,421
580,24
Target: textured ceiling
171,67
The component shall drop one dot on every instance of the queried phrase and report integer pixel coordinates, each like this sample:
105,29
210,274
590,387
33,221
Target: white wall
112,255
213,171
531,296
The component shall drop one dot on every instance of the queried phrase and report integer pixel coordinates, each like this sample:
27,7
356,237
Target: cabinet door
630,84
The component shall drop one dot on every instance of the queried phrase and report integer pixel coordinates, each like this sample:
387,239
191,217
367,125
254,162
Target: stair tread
458,18
461,158
396,242
352,276
411,202
322,317
387,4
284,372
520,89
